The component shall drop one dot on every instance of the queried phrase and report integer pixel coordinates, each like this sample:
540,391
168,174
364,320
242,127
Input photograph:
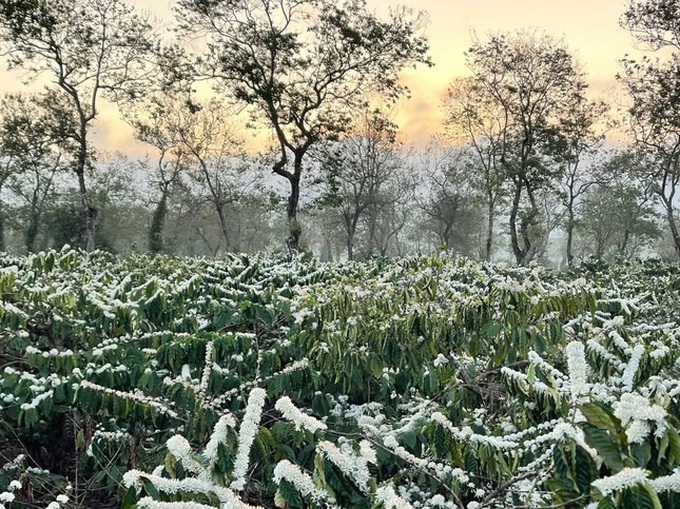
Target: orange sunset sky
589,27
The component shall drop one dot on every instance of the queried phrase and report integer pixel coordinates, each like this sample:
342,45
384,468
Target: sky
589,27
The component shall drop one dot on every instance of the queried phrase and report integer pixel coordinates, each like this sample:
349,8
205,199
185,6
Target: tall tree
90,48
34,147
654,87
535,82
475,118
575,152
303,67
617,217
357,169
453,202
150,120
388,214
219,170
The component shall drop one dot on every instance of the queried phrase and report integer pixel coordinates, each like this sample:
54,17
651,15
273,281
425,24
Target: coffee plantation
257,381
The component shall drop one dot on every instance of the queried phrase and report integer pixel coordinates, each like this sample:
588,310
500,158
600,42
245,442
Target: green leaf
170,465
31,416
604,445
319,475
440,440
290,497
284,451
129,499
606,503
320,405
279,501
663,447
346,493
121,407
674,447
585,471
490,329
600,416
150,489
410,439
642,453
653,496
640,497
531,375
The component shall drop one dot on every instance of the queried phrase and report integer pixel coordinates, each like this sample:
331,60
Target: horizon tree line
523,153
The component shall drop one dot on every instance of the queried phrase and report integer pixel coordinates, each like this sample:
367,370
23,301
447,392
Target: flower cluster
303,482
219,436
622,480
354,466
246,435
137,397
637,414
180,448
300,419
390,500
578,368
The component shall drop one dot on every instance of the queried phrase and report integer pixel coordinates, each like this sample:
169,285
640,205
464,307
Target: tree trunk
294,229
2,230
351,227
446,241
673,226
489,229
624,243
89,210
570,237
530,239
224,228
514,237
156,244
327,254
32,232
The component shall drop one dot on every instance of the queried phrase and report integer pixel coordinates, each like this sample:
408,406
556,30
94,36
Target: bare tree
617,217
151,119
195,139
90,48
453,204
388,214
220,168
34,148
358,169
533,81
575,153
475,118
653,86
303,67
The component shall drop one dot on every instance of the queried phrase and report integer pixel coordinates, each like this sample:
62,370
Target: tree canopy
303,67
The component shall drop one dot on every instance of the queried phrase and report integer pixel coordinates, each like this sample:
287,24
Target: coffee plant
254,381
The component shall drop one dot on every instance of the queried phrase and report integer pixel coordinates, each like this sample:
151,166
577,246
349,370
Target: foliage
616,217
432,382
303,67
452,204
654,114
520,100
653,22
33,150
89,49
364,178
